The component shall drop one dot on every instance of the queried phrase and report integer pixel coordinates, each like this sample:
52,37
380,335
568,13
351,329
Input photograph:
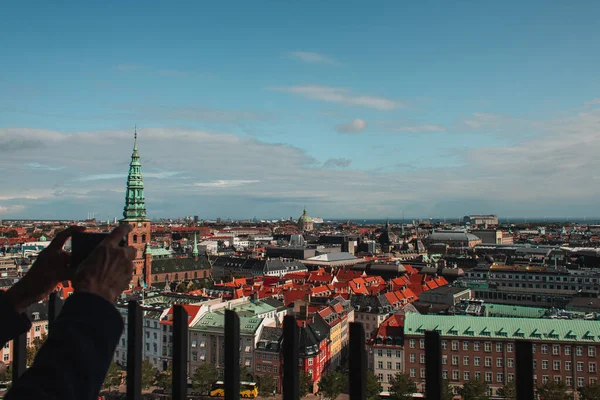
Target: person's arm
74,360
14,323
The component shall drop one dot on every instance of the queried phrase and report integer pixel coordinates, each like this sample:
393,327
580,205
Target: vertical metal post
134,351
291,378
357,363
54,307
19,361
524,370
433,365
180,352
232,355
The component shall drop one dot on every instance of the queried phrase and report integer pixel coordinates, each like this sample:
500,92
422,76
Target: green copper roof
503,310
215,321
135,204
508,328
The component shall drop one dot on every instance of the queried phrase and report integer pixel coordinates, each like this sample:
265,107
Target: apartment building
386,350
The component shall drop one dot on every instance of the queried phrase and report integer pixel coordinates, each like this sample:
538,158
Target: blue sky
431,109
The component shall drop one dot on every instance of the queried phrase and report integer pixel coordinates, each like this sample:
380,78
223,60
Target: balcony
524,376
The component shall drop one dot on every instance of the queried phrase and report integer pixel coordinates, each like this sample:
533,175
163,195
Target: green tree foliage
554,391
34,347
148,374
590,392
447,390
475,389
266,385
246,375
204,377
164,379
508,391
305,384
402,387
113,377
181,288
373,386
332,384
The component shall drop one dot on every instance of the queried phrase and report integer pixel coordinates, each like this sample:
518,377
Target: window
592,367
510,363
579,351
467,376
499,362
380,352
591,351
413,359
444,360
579,366
455,375
476,346
556,349
544,349
488,376
477,374
422,372
580,381
511,377
380,364
412,343
465,360
445,374
310,361
488,361
498,347
487,347
465,346
413,372
544,364
567,350
398,365
6,357
454,360
398,354
477,361
454,345
444,345
38,328
556,365
422,358
194,356
567,365
389,353
380,377
389,377
389,365
569,381
421,343
499,377
509,347
544,379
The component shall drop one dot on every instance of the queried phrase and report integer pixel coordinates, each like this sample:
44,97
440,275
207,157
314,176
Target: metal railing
357,361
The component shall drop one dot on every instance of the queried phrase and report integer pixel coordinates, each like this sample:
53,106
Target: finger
118,234
130,252
61,238
66,272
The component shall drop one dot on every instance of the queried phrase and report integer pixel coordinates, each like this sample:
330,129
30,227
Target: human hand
50,268
108,269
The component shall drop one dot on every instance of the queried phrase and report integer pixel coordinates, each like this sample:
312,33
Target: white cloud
312,57
226,183
355,126
342,96
337,162
419,128
42,167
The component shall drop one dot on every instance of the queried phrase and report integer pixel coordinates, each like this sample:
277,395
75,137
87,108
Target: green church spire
135,205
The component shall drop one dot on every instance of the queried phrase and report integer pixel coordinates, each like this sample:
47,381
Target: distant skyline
356,110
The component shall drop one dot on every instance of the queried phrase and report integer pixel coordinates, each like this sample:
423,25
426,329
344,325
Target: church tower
134,214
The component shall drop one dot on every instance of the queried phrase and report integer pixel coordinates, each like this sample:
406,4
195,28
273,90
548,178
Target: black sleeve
72,363
13,323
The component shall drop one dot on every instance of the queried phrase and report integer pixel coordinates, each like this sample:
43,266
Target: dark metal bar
54,307
433,365
180,352
524,370
134,351
232,355
357,362
291,378
19,361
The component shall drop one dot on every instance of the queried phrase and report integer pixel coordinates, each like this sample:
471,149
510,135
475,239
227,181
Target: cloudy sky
354,109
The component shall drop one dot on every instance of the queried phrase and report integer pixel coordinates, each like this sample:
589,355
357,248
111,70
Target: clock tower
134,214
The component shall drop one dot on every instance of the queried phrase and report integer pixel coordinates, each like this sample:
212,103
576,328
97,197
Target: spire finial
135,138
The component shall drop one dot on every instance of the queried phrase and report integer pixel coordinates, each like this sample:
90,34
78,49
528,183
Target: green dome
304,217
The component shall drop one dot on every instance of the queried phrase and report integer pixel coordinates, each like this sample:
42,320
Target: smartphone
83,243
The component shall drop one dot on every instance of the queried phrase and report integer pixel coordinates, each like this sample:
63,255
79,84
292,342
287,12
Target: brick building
484,347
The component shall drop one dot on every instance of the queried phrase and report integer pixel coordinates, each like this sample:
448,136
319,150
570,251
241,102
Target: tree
590,392
266,385
148,374
181,288
245,374
204,377
553,391
332,384
475,389
113,376
373,386
447,390
164,379
305,384
34,347
508,391
402,387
